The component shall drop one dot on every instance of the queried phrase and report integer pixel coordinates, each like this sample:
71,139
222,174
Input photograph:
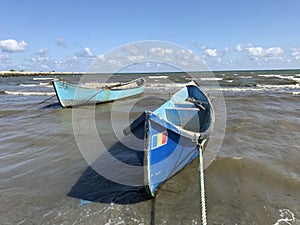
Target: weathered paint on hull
168,159
72,95
169,147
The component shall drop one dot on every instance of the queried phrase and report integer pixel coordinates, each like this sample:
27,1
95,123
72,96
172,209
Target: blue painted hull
174,134
73,95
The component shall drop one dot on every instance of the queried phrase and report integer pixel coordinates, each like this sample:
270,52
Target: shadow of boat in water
94,187
52,106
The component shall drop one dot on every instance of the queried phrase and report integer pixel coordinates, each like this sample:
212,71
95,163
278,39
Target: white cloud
131,50
238,48
11,45
203,47
4,58
40,59
133,58
42,52
86,53
101,58
114,62
161,51
261,52
295,52
211,52
256,51
45,67
274,52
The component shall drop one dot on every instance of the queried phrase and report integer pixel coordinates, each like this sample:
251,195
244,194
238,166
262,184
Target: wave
282,76
43,78
284,88
270,75
236,89
262,88
285,216
158,77
278,86
44,84
25,93
28,85
165,85
210,78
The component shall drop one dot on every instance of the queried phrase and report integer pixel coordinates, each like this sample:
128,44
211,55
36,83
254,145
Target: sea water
253,179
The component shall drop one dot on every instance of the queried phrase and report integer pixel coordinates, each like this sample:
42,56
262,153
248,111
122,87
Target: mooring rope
202,187
46,100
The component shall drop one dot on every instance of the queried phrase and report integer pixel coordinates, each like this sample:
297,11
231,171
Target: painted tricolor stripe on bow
159,139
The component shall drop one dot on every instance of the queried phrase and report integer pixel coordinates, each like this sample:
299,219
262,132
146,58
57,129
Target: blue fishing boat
70,95
174,134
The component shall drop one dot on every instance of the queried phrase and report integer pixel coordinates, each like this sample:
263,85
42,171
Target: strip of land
33,73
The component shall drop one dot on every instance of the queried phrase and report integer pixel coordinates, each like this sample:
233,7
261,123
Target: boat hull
169,151
175,133
70,95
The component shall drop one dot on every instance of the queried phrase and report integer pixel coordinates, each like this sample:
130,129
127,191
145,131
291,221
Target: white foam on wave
44,84
296,79
158,77
28,85
282,76
210,78
118,221
270,75
225,89
285,216
235,89
27,93
238,157
279,86
43,78
239,89
259,88
290,88
165,85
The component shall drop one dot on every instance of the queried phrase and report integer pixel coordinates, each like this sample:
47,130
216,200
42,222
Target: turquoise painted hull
70,95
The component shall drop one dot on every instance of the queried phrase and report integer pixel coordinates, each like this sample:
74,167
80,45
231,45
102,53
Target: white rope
202,187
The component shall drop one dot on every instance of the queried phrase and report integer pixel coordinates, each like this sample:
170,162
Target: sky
69,35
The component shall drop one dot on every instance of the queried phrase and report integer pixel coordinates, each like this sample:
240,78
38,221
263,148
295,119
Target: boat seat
191,119
184,105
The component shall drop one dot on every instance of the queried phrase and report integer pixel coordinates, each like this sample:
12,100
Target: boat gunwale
105,88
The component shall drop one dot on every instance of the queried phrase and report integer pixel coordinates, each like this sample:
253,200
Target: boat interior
192,114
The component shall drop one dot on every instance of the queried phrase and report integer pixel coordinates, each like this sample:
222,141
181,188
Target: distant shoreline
20,73
35,73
